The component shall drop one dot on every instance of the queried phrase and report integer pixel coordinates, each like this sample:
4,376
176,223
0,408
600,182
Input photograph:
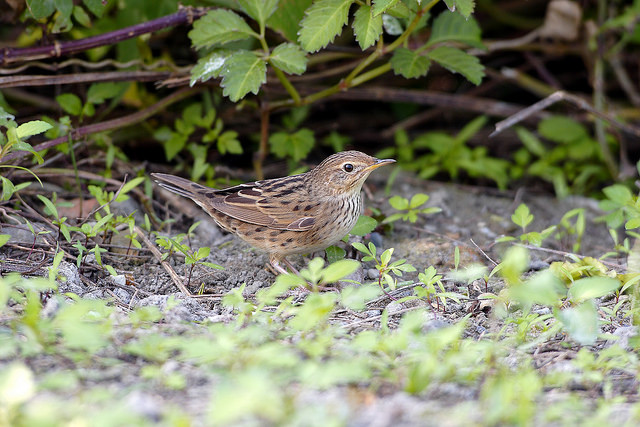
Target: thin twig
185,15
552,99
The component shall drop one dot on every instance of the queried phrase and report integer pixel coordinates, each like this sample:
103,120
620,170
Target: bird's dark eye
348,167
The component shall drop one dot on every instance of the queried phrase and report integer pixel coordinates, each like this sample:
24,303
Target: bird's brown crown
343,173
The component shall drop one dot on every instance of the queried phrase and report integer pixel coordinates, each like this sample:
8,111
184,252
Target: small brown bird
290,215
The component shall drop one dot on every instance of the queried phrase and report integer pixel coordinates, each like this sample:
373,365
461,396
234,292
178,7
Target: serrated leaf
260,10
290,58
409,64
323,22
381,6
464,7
458,61
364,225
243,72
367,27
217,27
70,103
31,128
209,66
450,26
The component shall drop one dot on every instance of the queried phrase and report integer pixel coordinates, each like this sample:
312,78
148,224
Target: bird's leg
276,267
291,267
274,262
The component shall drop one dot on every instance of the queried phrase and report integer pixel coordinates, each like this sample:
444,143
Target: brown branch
185,15
109,76
109,124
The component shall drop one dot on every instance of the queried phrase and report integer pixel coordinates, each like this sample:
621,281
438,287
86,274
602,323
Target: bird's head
344,173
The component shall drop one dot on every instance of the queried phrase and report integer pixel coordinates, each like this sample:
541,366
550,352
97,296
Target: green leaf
70,103
592,287
450,26
296,145
41,8
65,7
356,297
381,6
209,66
562,129
228,143
399,203
522,216
174,145
4,238
323,22
217,27
335,253
95,6
409,64
243,72
286,19
530,141
464,7
367,27
339,270
580,322
260,10
31,128
80,15
364,225
392,25
418,200
619,194
458,61
632,223
290,58
99,92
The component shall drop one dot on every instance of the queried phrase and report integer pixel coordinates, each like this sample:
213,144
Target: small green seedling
411,208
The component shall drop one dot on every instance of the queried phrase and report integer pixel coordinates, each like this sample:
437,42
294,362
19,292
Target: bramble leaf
217,27
323,22
409,64
243,72
456,60
367,27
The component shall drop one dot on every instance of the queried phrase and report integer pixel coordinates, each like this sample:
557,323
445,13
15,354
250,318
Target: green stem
295,96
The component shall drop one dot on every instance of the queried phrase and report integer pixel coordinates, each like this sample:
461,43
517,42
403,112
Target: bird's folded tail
180,186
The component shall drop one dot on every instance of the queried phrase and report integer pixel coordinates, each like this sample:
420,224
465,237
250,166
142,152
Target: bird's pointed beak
380,162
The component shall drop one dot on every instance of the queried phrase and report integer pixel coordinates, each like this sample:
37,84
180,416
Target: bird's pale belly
286,242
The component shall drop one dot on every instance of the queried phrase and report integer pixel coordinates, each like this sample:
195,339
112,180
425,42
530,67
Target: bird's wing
264,203
261,203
